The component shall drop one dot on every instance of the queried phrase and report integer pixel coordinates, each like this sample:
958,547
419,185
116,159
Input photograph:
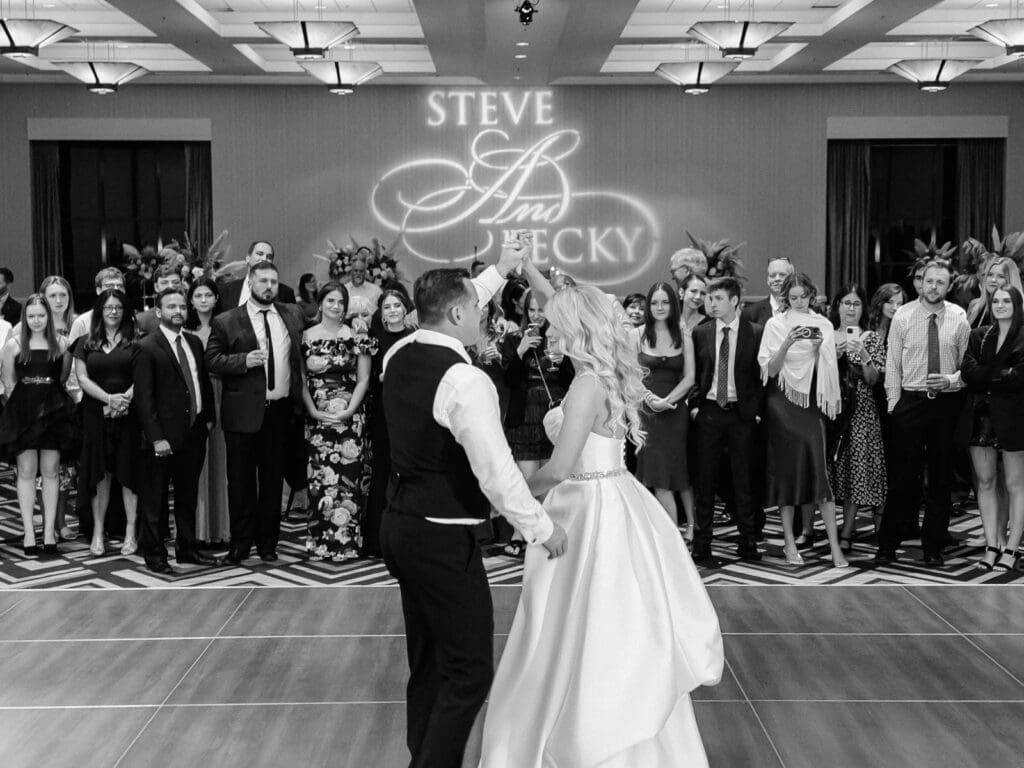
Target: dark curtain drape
849,214
47,250
980,182
199,196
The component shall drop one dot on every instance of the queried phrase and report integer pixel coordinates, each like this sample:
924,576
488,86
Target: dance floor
313,676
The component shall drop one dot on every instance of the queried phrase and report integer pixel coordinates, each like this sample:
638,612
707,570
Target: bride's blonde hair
597,341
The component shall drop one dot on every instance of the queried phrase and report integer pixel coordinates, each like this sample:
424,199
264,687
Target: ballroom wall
611,177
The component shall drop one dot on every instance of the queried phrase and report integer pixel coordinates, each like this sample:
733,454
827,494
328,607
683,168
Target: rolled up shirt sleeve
488,283
466,404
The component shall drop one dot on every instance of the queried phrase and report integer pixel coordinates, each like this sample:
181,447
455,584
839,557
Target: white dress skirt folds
609,639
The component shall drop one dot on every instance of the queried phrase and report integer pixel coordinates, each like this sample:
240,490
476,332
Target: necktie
933,345
722,392
187,371
270,351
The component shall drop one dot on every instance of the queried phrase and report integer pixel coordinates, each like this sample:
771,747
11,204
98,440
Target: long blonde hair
980,307
596,341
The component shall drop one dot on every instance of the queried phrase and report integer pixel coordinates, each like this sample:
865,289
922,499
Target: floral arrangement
930,250
381,260
723,258
181,254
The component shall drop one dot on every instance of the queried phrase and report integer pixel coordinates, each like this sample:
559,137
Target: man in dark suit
235,293
167,277
726,403
174,399
10,310
255,349
760,311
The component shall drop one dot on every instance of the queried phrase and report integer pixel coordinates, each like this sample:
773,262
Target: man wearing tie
726,405
174,399
255,349
927,341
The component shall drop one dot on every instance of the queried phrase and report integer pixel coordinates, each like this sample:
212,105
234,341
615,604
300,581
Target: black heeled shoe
989,566
50,549
30,550
1013,563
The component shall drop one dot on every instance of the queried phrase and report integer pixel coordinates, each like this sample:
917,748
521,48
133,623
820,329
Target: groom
450,463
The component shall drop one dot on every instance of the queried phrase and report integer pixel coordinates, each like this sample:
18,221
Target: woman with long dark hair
666,354
307,297
993,370
887,299
693,289
37,426
110,429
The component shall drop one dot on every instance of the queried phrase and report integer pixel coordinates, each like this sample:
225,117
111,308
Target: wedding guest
492,355
235,293
110,426
774,304
107,279
256,350
916,273
687,261
10,309
727,402
1000,272
635,305
927,341
359,287
511,303
394,308
666,352
167,277
799,367
693,289
993,371
174,401
307,297
856,455
887,299
360,315
37,424
212,522
337,364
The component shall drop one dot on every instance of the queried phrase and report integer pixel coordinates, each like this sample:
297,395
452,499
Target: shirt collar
255,309
424,336
776,303
171,336
734,326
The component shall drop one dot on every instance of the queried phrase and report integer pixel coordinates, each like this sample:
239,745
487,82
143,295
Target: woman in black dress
307,298
799,365
387,329
110,429
666,352
993,369
37,426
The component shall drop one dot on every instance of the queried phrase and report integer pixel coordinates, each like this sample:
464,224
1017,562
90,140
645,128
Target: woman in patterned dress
856,455
337,364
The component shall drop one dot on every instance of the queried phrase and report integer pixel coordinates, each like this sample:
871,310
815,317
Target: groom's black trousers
449,629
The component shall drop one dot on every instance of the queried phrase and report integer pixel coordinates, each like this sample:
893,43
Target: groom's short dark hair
437,290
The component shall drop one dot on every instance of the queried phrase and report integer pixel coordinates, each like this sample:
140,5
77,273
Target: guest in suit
10,309
993,370
760,311
174,402
167,278
235,293
256,350
726,408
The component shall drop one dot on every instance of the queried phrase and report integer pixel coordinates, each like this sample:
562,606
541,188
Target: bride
610,638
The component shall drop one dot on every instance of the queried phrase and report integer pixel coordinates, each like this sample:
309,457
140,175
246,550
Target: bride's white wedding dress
608,639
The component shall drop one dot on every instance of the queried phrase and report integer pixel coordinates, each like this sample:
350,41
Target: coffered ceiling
474,42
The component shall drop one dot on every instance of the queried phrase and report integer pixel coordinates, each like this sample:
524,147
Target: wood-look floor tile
914,735
68,738
120,613
63,674
1007,650
336,735
977,609
726,690
824,667
8,599
822,609
732,736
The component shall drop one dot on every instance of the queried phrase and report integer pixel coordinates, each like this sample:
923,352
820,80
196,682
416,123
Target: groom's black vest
430,473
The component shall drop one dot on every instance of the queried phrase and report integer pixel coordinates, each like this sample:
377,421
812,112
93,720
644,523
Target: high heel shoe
1006,553
986,566
97,547
793,558
842,562
50,549
30,550
130,546
805,540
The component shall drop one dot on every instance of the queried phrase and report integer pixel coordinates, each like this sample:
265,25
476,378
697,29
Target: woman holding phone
799,366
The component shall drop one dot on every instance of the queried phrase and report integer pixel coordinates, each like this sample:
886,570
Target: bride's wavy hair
596,340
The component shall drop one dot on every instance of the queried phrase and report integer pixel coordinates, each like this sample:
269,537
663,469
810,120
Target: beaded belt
598,475
37,380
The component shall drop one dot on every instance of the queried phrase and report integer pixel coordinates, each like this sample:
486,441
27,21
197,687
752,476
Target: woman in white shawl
799,365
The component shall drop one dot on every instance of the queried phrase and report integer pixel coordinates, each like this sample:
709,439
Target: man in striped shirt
927,341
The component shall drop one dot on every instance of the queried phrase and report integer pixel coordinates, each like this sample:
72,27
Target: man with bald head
760,311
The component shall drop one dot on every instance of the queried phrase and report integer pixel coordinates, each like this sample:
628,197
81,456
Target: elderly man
359,286
760,311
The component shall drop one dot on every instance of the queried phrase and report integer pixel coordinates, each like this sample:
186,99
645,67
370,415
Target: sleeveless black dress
40,414
661,463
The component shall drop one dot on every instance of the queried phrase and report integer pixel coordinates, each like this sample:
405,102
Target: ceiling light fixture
102,77
309,40
519,56
695,77
21,38
737,39
1008,33
931,75
522,44
526,10
343,77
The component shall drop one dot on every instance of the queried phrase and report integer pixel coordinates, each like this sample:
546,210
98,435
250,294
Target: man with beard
255,349
927,341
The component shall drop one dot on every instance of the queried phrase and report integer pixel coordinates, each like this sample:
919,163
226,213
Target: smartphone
851,331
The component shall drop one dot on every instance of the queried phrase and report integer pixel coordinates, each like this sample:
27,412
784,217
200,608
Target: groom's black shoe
704,559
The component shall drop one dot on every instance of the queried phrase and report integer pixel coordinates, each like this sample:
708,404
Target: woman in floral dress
337,363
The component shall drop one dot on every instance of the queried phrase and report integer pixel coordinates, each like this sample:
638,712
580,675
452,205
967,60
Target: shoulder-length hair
97,330
803,281
330,287
69,312
885,292
191,316
597,342
389,293
304,294
674,316
845,290
52,345
1017,299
